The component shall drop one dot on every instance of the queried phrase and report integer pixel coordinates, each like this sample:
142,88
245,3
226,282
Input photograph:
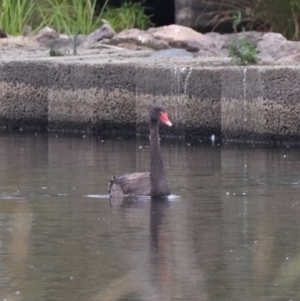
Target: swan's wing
130,185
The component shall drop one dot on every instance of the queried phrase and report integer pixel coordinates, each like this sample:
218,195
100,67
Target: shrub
243,52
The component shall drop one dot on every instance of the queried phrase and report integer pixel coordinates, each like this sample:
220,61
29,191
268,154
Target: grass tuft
77,16
15,15
54,52
242,50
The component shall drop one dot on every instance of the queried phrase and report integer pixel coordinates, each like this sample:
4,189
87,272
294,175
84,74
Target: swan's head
159,112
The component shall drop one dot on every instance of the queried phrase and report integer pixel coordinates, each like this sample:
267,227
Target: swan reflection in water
158,270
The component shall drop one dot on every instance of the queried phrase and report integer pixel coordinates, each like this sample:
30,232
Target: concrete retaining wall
254,103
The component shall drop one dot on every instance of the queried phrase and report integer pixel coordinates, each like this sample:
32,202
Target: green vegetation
128,15
242,50
236,20
15,15
69,16
54,52
281,16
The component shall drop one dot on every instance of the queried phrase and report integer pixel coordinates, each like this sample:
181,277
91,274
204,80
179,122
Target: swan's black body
144,183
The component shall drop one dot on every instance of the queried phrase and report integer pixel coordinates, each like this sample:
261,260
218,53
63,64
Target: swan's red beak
164,118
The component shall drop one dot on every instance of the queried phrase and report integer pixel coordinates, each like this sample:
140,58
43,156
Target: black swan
153,184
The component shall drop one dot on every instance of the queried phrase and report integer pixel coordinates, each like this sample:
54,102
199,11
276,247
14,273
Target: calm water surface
234,233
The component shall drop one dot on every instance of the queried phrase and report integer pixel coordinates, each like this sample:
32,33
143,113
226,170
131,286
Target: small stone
2,34
46,34
104,32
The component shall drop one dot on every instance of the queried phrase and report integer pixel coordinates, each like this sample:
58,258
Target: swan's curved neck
159,183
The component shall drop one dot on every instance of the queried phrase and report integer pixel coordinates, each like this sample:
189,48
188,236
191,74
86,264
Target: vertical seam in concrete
177,79
261,93
187,78
49,69
135,97
244,98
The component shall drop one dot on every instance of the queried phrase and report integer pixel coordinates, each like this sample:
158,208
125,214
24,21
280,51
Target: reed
71,17
15,15
281,16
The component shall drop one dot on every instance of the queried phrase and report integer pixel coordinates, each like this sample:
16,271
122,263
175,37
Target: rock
273,37
46,35
211,52
219,39
294,58
251,36
2,34
104,32
65,41
138,37
277,46
265,57
49,37
178,36
172,52
20,42
27,31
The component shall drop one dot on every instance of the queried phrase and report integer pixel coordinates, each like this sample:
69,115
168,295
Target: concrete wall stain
253,103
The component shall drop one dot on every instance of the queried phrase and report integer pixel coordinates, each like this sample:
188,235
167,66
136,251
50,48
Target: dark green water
234,233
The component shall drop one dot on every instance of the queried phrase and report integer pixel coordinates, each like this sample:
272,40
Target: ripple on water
7,196
171,197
